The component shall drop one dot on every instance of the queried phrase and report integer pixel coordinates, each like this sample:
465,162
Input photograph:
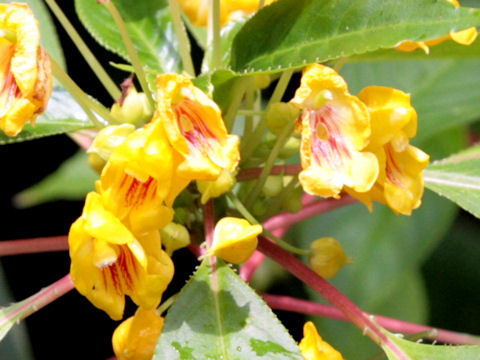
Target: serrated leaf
418,351
71,181
458,179
445,93
218,316
63,115
293,33
149,24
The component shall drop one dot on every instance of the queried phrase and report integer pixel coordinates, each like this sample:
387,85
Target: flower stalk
33,246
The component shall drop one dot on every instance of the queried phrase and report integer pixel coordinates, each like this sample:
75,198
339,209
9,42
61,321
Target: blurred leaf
63,115
15,344
218,316
458,179
418,351
294,33
149,24
445,93
49,38
71,181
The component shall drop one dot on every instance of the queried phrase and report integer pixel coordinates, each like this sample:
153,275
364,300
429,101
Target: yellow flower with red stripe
109,261
25,73
463,37
195,129
335,129
313,347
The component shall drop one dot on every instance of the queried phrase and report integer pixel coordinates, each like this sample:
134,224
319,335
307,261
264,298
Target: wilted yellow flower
132,108
394,122
235,239
212,189
174,236
138,184
313,347
25,73
197,10
463,37
136,337
109,261
195,129
335,128
327,257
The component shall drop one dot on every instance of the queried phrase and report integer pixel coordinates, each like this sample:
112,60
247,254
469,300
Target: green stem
248,216
182,38
281,87
277,203
167,303
213,34
132,52
82,99
238,89
91,60
281,140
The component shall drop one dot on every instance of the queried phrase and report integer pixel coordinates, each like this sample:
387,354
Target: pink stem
330,293
254,173
288,303
42,298
36,245
196,250
286,219
209,222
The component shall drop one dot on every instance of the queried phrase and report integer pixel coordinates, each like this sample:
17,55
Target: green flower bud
105,142
213,189
280,115
262,81
290,148
134,109
293,201
273,186
174,237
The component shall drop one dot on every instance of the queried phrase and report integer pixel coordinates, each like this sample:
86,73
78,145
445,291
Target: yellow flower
25,74
136,337
212,189
235,240
327,257
463,37
313,347
138,184
394,122
109,262
335,128
195,129
197,10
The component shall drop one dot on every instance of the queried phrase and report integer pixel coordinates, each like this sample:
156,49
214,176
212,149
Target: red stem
254,173
286,219
36,245
288,303
330,293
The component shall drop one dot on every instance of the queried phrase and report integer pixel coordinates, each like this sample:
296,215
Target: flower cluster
359,145
116,246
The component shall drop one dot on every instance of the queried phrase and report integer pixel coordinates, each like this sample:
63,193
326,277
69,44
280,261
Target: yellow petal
313,347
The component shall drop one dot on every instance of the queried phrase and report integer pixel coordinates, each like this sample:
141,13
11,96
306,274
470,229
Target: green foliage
63,115
218,316
150,27
293,33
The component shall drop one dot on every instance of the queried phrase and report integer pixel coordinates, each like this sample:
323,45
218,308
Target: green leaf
418,351
218,316
63,115
49,38
293,33
71,181
445,93
458,179
149,24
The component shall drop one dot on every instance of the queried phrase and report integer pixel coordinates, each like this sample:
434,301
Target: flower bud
134,109
280,115
293,201
174,237
328,257
262,81
290,148
105,142
234,239
136,337
213,189
273,186
313,347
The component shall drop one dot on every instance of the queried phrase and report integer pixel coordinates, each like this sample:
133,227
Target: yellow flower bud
235,240
313,347
174,237
328,257
280,115
134,109
136,337
213,189
105,142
